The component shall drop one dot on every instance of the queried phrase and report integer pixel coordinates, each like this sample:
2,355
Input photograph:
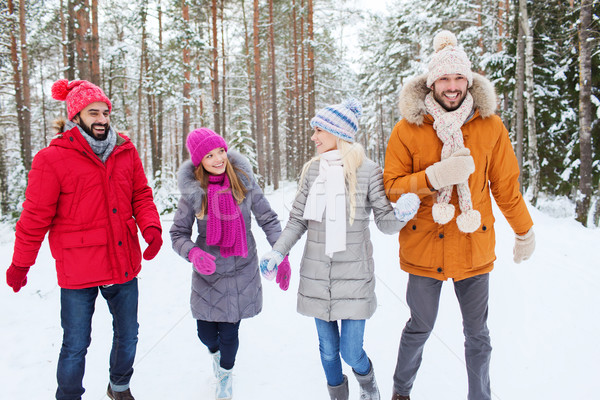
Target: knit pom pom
354,106
60,89
469,221
442,213
444,39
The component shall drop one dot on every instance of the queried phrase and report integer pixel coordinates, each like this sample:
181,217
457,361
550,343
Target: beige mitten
524,246
452,170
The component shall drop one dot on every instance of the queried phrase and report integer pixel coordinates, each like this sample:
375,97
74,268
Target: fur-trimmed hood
190,187
412,98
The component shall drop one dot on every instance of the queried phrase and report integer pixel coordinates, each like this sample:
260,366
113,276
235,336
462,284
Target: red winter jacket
91,210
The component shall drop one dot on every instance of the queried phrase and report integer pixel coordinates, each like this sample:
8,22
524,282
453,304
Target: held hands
407,207
452,170
275,265
16,277
153,237
268,264
524,246
202,261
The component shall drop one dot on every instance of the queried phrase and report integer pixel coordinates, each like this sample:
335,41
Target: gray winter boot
368,385
339,392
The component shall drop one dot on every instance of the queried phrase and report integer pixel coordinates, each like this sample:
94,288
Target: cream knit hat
448,59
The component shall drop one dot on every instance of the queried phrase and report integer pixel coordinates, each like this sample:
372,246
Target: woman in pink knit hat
218,194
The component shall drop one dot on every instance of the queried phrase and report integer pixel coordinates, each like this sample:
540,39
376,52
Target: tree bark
185,126
64,47
14,53
532,150
95,47
71,40
249,72
260,134
585,112
214,83
311,72
224,72
519,103
276,154
82,39
26,142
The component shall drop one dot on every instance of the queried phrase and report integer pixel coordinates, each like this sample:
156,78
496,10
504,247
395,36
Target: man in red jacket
89,191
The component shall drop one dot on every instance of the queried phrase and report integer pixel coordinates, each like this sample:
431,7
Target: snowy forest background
256,71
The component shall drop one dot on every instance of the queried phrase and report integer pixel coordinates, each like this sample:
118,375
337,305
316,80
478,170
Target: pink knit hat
78,95
448,59
202,141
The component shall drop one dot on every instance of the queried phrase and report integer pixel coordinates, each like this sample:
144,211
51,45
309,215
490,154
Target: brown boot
397,396
126,395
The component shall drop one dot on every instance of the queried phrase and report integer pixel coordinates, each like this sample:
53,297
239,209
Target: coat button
440,270
483,228
71,138
414,227
126,274
120,243
114,210
441,235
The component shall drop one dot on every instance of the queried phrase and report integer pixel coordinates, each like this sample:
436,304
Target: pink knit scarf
225,226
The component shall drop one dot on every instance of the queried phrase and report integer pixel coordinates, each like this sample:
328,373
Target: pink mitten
284,273
202,261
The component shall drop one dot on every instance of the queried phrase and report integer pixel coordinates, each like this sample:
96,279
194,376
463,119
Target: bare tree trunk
585,112
14,52
311,73
224,70
139,133
214,83
159,115
71,40
249,72
519,103
297,139
95,46
274,112
26,142
63,32
260,133
82,40
185,126
303,120
532,150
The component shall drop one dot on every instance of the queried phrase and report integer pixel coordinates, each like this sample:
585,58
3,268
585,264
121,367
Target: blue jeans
220,336
423,296
348,343
77,308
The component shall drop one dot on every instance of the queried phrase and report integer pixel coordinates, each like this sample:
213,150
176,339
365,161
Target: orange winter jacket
442,251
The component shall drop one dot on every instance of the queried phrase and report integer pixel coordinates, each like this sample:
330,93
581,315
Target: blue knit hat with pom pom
340,120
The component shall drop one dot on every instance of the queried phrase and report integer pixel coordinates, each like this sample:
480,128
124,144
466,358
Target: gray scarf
102,148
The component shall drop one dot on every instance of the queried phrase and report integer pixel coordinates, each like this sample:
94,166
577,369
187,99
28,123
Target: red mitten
153,237
16,277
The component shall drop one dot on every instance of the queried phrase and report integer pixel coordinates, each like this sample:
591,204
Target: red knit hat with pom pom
78,95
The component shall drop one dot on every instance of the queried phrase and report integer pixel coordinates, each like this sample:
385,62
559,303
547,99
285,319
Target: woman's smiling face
215,161
324,140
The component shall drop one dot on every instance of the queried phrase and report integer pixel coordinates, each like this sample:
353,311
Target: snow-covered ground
543,319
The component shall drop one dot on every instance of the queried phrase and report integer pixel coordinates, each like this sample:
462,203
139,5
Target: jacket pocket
135,252
84,257
419,247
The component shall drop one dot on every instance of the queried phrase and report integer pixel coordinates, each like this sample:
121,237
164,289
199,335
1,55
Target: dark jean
220,336
423,297
348,343
77,308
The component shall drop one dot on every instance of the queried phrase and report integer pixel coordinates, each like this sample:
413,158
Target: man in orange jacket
89,190
452,150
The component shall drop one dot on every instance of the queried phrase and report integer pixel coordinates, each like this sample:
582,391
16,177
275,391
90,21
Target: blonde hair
353,155
238,190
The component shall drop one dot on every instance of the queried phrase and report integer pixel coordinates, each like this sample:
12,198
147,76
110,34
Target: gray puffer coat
343,286
234,291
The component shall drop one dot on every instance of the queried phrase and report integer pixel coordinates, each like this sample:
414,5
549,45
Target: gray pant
423,296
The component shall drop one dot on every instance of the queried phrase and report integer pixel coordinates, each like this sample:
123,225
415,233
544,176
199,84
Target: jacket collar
412,99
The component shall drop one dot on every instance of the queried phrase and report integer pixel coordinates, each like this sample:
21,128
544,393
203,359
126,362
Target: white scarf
328,193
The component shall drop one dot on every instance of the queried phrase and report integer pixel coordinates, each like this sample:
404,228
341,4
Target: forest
256,71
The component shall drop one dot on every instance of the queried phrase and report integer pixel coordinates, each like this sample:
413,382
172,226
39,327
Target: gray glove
452,170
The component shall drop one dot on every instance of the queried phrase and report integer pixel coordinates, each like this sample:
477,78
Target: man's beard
89,130
441,100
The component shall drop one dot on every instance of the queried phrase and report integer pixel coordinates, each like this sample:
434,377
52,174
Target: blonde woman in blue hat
337,191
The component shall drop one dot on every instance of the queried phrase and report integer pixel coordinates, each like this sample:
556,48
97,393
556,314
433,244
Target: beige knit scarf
447,125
